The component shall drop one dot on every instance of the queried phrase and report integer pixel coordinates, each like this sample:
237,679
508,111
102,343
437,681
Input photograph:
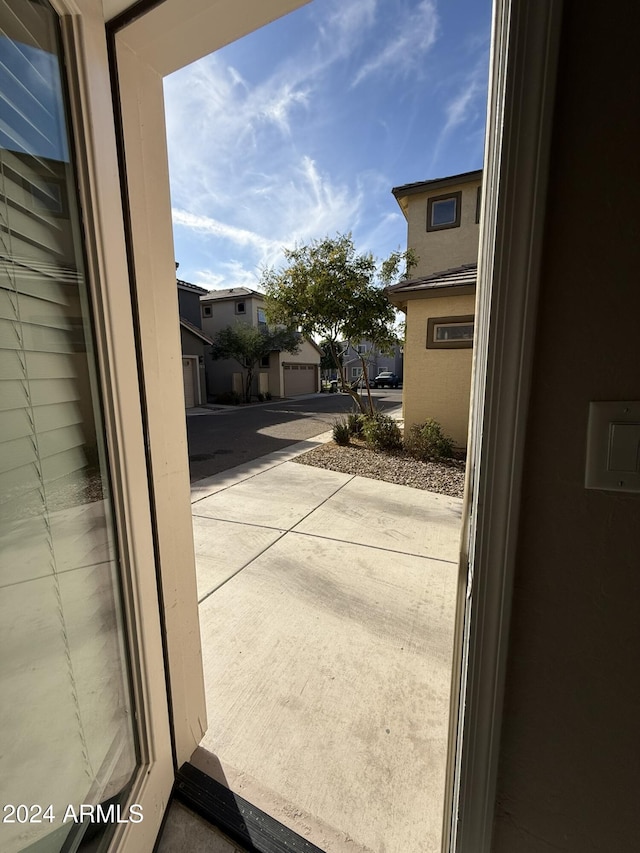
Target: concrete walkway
327,616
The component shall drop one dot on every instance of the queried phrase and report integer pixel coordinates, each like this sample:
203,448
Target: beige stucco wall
451,247
437,382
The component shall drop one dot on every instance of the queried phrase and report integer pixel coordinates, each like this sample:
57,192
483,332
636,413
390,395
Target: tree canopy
329,291
248,345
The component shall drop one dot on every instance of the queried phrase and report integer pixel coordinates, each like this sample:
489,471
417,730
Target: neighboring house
194,342
281,374
545,701
439,300
375,363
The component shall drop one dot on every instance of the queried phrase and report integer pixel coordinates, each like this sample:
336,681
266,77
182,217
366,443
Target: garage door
299,379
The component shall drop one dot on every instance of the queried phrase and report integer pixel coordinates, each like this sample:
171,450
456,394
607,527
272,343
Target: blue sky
301,129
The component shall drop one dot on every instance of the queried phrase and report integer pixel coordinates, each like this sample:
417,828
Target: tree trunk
357,399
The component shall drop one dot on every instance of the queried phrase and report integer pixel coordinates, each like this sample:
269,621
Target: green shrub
229,398
341,433
355,420
382,433
427,441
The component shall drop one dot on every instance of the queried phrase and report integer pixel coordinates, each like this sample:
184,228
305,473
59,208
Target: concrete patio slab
278,497
386,515
327,667
222,549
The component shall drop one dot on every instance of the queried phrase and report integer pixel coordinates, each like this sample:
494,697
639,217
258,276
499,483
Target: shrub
355,420
267,395
382,432
229,398
427,441
341,433
261,397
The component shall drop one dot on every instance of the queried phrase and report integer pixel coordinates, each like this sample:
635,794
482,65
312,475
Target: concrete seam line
242,523
242,568
375,547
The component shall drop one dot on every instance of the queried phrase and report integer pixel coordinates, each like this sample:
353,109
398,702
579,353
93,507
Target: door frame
93,135
525,48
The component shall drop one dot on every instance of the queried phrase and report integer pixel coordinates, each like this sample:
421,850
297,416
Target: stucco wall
437,382
451,247
568,774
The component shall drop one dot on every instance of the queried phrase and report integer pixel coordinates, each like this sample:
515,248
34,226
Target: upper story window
206,311
362,348
443,211
241,307
262,317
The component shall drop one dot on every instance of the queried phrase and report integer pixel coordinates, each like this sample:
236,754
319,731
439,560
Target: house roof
460,280
186,285
195,331
436,183
230,293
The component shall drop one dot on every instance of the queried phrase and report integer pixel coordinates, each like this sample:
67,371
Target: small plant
261,397
382,432
355,420
267,395
427,441
341,432
229,398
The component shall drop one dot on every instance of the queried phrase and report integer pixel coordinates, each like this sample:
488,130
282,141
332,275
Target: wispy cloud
414,35
466,107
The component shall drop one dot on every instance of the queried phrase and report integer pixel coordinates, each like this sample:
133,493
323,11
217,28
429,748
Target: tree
329,291
248,345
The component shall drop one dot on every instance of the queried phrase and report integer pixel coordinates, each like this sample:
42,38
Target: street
228,437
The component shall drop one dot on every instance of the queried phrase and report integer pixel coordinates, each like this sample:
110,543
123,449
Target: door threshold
246,824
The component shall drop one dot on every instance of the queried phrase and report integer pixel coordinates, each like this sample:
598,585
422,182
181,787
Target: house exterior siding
437,382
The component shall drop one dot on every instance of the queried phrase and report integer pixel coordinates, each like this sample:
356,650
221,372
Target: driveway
226,437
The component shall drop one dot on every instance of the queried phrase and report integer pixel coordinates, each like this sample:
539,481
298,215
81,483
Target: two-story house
281,374
375,361
443,218
195,343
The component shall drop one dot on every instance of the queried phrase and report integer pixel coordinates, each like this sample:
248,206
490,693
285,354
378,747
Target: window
356,372
206,311
443,211
241,308
450,332
264,361
362,348
262,317
478,203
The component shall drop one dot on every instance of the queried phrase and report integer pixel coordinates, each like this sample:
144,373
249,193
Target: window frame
461,343
241,306
457,197
207,311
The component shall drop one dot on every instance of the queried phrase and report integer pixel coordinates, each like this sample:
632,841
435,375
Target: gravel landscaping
446,478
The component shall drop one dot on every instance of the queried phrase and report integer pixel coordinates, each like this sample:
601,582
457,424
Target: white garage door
299,379
189,385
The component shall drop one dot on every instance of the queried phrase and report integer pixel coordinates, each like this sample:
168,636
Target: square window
356,372
264,361
241,308
443,211
206,310
450,332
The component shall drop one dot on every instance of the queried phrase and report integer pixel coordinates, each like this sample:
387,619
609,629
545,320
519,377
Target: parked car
386,379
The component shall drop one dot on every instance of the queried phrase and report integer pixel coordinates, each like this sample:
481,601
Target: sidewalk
327,616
